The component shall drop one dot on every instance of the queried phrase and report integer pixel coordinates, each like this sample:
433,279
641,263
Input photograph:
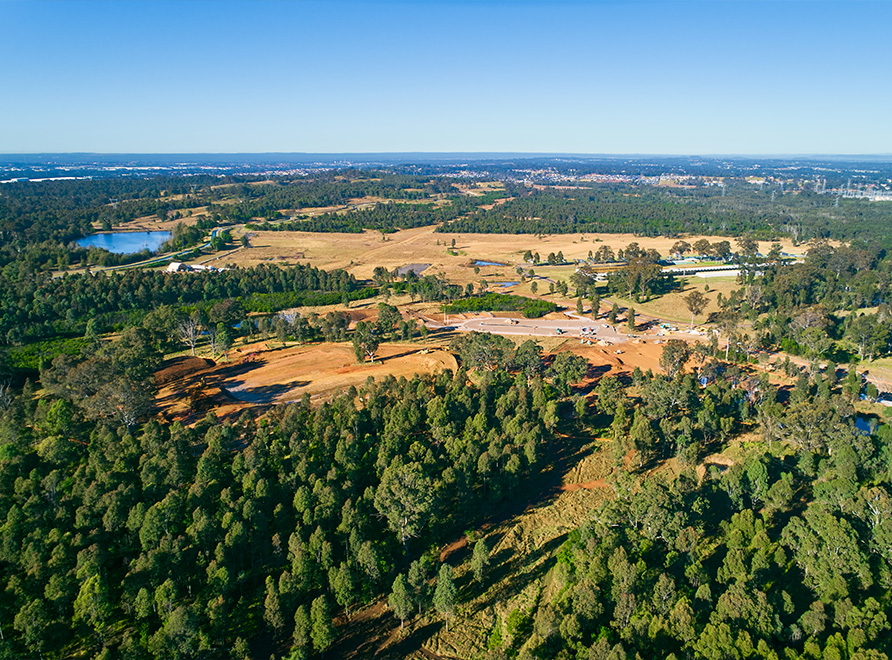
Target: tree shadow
379,636
234,370
593,376
411,351
262,394
412,642
507,564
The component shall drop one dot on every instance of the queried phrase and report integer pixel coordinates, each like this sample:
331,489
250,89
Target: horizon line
450,153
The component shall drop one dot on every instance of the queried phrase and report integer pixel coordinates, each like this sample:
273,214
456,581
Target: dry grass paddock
361,253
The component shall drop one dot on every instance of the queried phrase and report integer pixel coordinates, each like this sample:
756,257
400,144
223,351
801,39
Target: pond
126,242
504,284
867,426
487,263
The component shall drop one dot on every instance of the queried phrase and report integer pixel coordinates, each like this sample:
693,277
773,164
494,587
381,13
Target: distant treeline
39,221
642,211
648,211
336,188
385,217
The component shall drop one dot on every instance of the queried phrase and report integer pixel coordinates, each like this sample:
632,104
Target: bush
501,302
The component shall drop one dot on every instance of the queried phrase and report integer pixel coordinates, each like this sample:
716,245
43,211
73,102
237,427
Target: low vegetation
502,302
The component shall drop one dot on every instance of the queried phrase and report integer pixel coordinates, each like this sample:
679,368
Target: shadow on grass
412,642
524,569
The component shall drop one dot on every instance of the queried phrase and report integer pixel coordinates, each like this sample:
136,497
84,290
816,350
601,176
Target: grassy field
671,306
361,253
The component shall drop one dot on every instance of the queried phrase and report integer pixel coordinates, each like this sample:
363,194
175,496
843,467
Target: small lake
487,263
504,284
126,242
865,425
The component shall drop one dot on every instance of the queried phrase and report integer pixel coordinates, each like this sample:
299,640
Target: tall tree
404,498
479,560
92,605
675,353
445,594
301,636
528,358
365,341
400,600
565,369
596,305
696,302
322,630
388,317
418,580
272,610
483,349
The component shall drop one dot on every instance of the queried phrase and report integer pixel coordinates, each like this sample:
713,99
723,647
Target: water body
126,242
865,425
504,284
487,263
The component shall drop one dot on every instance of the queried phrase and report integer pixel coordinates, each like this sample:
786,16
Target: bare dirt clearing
262,375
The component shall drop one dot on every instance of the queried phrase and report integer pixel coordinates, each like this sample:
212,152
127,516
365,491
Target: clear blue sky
723,76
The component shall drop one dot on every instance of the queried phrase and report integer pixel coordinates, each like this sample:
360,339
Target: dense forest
786,554
173,542
650,211
148,540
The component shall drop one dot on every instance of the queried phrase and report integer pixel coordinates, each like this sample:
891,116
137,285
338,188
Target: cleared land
672,307
263,374
361,253
260,375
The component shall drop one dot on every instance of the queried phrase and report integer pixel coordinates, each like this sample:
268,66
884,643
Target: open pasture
360,253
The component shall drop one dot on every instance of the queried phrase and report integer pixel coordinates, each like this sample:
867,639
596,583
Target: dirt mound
180,367
357,315
718,460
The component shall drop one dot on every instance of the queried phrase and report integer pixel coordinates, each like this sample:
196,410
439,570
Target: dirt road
571,327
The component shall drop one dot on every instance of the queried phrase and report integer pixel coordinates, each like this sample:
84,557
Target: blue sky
692,77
